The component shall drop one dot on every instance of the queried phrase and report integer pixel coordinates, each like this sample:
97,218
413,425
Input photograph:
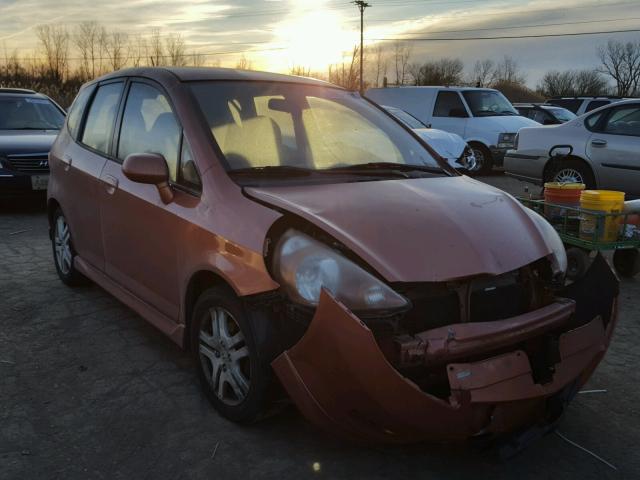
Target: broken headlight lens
558,255
304,266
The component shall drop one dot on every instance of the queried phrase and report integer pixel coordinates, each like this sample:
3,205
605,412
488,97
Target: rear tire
484,159
577,263
234,364
571,170
64,252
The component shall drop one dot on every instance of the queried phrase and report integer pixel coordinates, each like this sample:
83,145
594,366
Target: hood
507,123
26,141
448,145
419,230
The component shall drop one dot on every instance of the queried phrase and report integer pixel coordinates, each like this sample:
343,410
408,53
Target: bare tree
300,71
445,71
175,49
590,82
197,59
155,50
115,48
556,84
138,50
402,54
89,39
483,72
621,62
507,70
347,74
380,63
244,63
54,40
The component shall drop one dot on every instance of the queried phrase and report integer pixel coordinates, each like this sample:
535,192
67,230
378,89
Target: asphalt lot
90,390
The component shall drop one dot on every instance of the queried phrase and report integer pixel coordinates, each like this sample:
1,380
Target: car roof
193,74
431,87
20,92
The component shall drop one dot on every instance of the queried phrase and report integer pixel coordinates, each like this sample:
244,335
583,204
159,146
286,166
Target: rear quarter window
596,104
77,110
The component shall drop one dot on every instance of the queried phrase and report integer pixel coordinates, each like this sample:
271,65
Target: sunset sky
276,34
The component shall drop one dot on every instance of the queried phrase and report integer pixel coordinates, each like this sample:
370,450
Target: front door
450,113
614,150
141,233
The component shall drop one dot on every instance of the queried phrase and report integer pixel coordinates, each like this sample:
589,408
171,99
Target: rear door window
624,121
101,119
77,109
149,126
448,104
572,104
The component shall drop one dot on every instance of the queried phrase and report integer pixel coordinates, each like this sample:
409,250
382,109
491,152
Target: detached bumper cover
342,382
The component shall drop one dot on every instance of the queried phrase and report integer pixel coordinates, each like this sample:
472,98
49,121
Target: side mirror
150,168
458,113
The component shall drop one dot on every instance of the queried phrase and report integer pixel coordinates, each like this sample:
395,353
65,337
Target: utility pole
361,6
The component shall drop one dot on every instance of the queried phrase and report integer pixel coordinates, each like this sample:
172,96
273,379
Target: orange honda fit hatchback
277,224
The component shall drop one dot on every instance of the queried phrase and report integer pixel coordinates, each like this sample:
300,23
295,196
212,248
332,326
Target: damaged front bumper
341,380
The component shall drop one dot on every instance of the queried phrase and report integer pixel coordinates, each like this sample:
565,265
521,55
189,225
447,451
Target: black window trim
460,97
182,186
92,90
107,155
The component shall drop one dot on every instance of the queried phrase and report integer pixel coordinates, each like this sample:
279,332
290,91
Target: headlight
506,140
304,266
558,255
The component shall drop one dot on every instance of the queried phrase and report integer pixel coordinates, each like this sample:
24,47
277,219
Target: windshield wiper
32,128
384,168
273,170
509,112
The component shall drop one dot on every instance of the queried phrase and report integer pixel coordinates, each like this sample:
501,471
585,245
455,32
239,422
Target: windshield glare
406,118
27,113
265,124
484,103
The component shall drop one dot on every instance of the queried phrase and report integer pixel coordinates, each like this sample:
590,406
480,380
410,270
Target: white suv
600,149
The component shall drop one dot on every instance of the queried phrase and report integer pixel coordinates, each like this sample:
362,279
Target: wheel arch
552,162
52,205
199,282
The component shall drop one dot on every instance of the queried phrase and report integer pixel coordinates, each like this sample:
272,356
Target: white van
483,117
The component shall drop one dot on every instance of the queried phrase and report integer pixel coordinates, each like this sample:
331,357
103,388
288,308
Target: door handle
66,162
111,184
598,143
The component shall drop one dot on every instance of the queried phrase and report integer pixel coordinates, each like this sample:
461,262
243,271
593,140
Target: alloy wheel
62,245
224,356
479,159
568,175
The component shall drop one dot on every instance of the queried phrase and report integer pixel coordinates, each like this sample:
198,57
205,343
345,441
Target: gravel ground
89,390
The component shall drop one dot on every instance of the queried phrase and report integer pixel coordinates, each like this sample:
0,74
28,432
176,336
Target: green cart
566,220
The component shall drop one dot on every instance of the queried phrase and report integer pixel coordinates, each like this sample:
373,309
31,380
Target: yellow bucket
600,201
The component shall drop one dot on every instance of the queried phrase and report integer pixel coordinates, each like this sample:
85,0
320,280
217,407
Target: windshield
27,113
561,114
265,125
488,103
406,118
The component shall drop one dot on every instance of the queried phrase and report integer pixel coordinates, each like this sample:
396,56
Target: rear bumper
525,167
342,382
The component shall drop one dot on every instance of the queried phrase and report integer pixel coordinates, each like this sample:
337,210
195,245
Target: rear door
614,148
141,233
81,163
450,113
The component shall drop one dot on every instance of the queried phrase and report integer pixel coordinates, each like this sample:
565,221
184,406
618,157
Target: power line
509,37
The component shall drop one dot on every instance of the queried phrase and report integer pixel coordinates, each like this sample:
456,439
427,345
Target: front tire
234,367
64,252
484,159
627,262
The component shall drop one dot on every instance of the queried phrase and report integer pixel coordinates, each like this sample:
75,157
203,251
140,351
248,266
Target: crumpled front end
454,381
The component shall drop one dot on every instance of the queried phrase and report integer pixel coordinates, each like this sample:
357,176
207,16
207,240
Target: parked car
483,117
270,223
29,123
581,105
600,149
544,114
449,146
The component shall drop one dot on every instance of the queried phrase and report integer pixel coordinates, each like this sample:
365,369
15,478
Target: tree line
67,58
